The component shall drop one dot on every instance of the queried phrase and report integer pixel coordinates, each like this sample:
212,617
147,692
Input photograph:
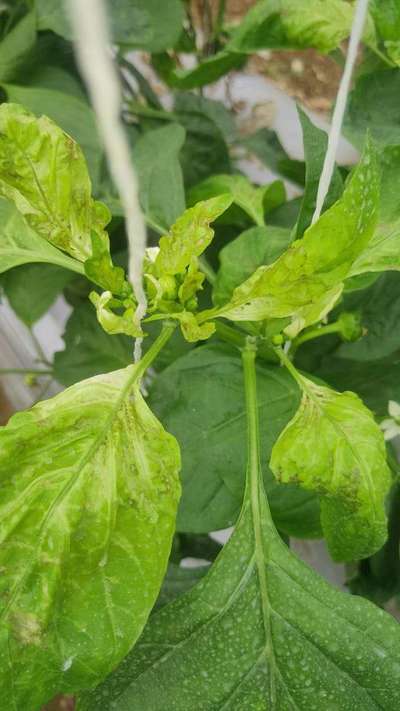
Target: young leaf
249,198
156,157
89,495
315,145
260,631
19,244
241,257
190,235
212,436
113,323
43,171
306,281
334,447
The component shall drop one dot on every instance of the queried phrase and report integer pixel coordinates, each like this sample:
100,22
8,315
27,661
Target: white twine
360,15
92,46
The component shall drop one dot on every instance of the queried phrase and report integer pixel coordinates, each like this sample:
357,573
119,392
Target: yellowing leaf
89,483
190,235
334,447
43,171
306,280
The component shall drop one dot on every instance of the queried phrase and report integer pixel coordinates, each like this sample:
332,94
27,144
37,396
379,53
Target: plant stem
219,19
230,335
316,333
260,512
145,362
24,371
290,367
138,109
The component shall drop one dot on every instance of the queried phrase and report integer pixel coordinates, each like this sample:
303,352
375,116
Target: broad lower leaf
296,24
89,495
19,244
32,288
306,281
190,235
43,171
138,24
315,144
156,157
206,72
249,198
207,416
334,447
241,257
260,631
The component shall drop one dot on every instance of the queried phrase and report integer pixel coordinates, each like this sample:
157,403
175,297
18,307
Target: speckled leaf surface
261,631
305,282
333,446
89,494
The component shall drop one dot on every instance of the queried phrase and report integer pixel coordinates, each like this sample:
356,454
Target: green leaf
378,577
205,151
306,281
206,72
16,45
32,288
260,631
266,146
100,268
43,171
249,198
372,93
179,580
89,496
334,447
138,24
71,112
241,257
190,235
315,145
296,24
207,416
19,244
375,382
379,308
88,349
156,157
384,249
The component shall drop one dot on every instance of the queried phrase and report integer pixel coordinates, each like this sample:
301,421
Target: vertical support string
360,15
93,51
